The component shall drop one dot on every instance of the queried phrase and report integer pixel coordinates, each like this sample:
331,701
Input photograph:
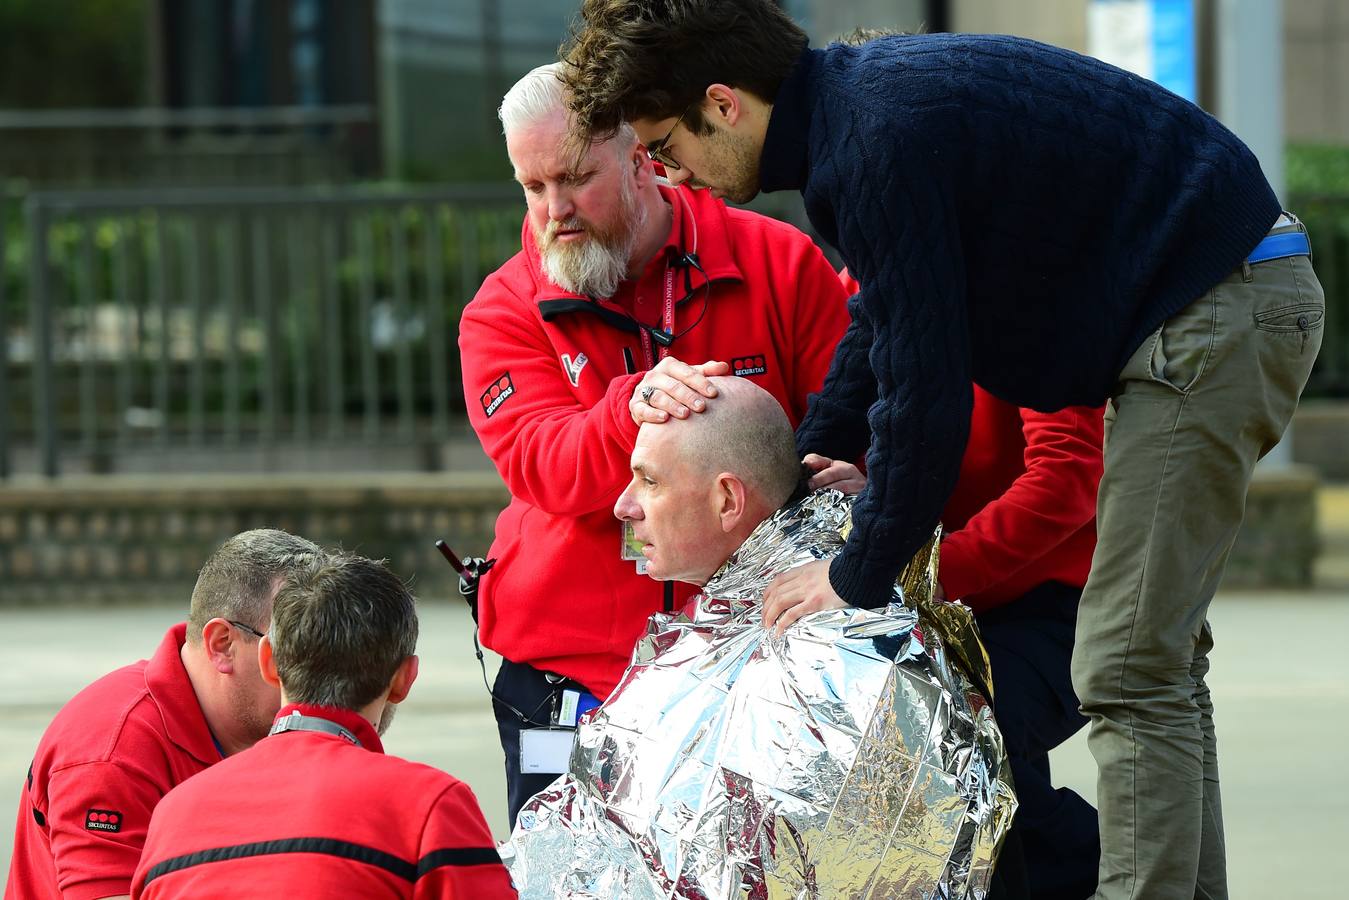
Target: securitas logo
103,820
749,365
500,391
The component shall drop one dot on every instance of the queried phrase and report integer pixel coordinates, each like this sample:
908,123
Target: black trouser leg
1030,646
525,688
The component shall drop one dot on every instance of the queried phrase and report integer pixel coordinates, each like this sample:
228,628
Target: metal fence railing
157,318
154,320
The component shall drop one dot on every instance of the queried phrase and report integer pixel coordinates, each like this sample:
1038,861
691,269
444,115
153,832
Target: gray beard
593,267
588,268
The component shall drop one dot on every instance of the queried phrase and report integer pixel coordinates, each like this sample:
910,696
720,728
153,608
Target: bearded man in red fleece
1020,534
572,344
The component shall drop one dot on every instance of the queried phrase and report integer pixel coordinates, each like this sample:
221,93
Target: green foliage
1318,192
1317,169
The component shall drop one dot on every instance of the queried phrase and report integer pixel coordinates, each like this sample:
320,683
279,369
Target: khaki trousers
1203,398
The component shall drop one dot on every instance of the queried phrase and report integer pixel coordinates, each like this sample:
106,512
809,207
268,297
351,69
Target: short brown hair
237,580
340,633
651,59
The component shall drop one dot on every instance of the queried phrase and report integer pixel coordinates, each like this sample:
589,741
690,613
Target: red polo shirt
547,378
309,814
103,764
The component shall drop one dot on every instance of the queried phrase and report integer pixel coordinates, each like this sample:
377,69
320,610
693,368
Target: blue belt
1277,246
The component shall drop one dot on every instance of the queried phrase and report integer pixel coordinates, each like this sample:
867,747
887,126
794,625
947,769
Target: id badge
631,549
545,751
574,705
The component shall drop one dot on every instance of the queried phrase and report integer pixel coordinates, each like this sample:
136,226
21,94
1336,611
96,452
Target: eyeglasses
249,628
656,152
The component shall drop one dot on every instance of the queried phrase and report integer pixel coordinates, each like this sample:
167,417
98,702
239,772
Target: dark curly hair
651,59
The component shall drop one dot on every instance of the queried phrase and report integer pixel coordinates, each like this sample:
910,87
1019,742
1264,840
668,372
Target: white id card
545,751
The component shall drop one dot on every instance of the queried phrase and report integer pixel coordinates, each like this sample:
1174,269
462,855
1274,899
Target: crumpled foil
851,757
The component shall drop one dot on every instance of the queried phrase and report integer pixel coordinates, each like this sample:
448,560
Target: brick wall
126,539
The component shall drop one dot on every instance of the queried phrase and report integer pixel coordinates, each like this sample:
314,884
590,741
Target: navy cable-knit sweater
1017,215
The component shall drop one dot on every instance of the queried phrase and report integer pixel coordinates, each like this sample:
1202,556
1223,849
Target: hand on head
674,388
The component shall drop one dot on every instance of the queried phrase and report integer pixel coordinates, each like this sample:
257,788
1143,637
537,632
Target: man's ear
644,170
267,662
732,500
724,104
402,680
217,642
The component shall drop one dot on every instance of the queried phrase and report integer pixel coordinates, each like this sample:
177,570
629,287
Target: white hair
541,94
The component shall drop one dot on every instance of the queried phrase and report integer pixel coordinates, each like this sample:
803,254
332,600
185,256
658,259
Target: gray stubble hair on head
745,431
238,579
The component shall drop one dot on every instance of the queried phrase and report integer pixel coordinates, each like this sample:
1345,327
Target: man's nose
560,206
626,507
677,176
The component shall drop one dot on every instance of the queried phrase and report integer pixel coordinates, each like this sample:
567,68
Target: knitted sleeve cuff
856,585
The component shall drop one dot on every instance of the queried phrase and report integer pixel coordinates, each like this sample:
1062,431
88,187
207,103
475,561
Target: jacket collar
699,224
171,691
349,719
785,160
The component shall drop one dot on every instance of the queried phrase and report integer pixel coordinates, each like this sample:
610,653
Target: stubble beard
739,159
386,718
250,721
594,265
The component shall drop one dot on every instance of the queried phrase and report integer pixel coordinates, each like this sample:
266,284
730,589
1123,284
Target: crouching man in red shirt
124,741
316,809
566,349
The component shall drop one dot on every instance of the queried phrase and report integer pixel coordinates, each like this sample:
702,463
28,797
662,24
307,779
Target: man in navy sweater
1062,233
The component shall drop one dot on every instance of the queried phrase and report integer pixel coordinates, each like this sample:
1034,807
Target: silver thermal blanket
851,757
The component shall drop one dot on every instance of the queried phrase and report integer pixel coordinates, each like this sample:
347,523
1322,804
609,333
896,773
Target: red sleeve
820,304
1048,503
849,283
98,814
553,453
458,859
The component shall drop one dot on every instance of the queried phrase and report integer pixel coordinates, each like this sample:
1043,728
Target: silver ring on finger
647,393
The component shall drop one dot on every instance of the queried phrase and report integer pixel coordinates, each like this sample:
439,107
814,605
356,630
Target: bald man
676,752
700,485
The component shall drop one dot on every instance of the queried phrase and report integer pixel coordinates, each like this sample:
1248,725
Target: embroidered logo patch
103,820
500,391
573,367
749,365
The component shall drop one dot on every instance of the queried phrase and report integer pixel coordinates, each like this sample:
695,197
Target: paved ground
1280,682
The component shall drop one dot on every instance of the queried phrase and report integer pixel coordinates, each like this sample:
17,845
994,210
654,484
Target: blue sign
1173,46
